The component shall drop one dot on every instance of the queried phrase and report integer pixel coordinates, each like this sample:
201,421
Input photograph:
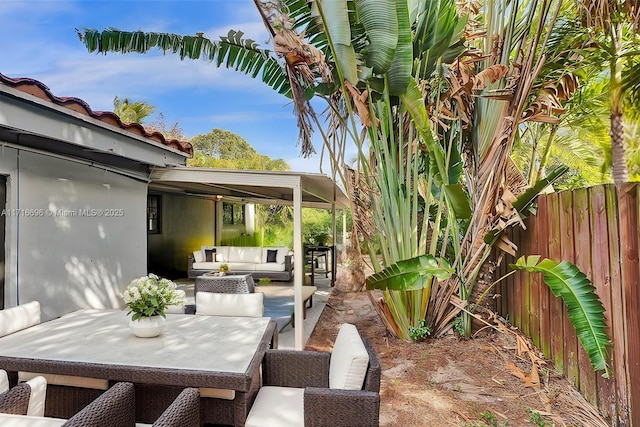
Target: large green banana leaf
400,71
233,51
381,25
410,274
584,307
334,14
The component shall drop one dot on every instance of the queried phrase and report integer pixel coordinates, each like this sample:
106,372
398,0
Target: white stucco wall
82,242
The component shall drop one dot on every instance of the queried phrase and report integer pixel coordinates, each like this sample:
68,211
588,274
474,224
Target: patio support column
334,256
298,267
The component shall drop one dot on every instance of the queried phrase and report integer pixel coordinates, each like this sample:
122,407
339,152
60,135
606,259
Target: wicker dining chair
310,388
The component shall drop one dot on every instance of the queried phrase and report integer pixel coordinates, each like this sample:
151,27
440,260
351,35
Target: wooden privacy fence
596,229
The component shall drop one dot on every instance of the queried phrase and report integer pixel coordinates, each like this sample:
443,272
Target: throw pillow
209,255
272,255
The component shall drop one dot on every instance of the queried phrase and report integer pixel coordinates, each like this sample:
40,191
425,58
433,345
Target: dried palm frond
361,205
304,63
549,100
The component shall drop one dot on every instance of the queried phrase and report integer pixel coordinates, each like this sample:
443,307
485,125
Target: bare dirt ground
486,381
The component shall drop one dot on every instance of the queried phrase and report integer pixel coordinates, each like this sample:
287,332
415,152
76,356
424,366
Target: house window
154,214
232,214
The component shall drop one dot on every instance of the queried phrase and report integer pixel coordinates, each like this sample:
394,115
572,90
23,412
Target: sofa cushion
206,265
249,254
244,305
197,256
222,252
243,266
282,252
349,360
271,255
276,407
271,266
203,248
17,318
210,255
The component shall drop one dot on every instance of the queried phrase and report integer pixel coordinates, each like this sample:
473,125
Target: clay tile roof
39,89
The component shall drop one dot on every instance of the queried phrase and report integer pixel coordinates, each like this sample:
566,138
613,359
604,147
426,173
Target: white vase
147,327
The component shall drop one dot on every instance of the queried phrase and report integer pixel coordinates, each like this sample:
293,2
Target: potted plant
224,268
147,299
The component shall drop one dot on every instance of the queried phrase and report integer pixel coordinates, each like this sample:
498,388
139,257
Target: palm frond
584,307
232,51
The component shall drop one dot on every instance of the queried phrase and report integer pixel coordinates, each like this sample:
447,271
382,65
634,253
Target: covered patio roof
250,186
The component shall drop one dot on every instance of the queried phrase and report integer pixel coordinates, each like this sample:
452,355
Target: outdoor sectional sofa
275,263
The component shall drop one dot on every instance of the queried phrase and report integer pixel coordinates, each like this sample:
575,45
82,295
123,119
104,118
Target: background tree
612,47
227,150
173,131
132,112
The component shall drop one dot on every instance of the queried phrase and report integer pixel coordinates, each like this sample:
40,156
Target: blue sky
38,40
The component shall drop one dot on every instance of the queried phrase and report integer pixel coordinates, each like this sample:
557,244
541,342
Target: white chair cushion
4,381
38,396
244,305
67,380
277,407
349,360
9,420
17,318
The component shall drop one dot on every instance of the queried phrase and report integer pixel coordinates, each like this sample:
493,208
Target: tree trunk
620,173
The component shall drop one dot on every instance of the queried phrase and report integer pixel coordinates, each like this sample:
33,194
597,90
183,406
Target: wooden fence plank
515,284
600,279
582,244
555,303
568,253
617,301
534,283
545,303
631,282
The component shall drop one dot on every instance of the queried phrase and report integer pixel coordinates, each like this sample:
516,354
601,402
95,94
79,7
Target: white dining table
192,351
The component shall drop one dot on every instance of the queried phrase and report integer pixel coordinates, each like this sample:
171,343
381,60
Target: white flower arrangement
150,296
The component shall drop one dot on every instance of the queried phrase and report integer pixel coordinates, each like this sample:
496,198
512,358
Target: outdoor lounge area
261,262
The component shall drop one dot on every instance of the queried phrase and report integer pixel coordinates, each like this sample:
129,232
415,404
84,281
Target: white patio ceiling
251,186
